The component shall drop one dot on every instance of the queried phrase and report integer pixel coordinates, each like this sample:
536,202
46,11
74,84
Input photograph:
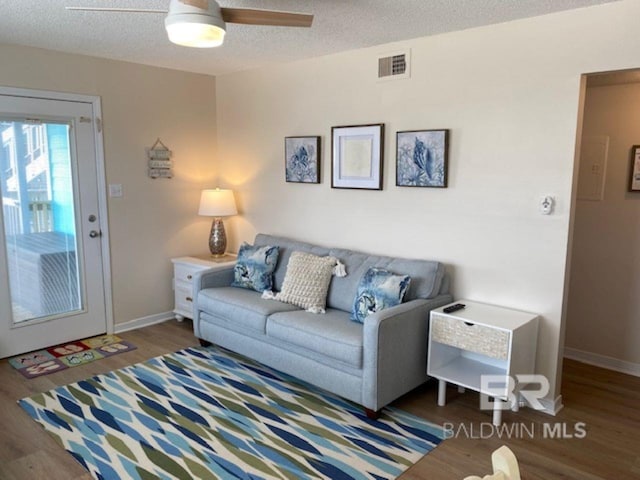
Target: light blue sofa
371,364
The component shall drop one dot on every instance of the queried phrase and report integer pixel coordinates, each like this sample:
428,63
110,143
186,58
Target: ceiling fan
201,23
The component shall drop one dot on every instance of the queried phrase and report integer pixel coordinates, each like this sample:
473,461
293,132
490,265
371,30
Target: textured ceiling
339,25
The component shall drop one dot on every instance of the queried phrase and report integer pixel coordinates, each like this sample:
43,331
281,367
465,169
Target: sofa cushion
286,248
332,334
378,289
307,281
244,307
254,267
426,276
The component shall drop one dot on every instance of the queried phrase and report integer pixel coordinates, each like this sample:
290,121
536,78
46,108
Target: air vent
393,66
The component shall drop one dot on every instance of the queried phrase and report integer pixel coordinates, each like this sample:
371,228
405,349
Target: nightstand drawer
184,298
185,273
487,341
184,293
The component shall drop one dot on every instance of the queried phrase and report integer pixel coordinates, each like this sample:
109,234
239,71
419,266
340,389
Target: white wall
156,219
604,305
510,95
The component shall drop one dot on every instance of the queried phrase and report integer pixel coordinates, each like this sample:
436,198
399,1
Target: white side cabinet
184,269
481,340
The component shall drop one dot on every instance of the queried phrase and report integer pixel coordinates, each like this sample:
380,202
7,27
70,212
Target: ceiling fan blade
250,16
105,9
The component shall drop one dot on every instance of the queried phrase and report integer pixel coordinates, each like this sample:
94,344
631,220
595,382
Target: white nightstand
481,340
184,269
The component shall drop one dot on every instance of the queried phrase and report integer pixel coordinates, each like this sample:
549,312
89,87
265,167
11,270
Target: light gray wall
155,219
510,95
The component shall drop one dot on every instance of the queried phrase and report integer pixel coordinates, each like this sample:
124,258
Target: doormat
71,354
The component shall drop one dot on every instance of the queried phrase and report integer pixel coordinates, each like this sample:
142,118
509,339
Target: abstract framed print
356,156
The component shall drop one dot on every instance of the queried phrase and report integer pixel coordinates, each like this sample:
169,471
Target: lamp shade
217,203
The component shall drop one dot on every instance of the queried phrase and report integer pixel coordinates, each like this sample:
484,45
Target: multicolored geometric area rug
71,354
205,413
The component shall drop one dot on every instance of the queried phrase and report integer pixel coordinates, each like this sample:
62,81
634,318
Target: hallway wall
603,320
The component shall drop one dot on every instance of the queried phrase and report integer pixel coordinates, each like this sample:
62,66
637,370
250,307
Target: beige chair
505,466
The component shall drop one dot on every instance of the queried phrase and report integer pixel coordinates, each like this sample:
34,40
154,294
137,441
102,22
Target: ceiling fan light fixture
195,23
199,35
201,23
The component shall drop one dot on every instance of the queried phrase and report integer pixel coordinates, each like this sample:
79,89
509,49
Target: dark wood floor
607,402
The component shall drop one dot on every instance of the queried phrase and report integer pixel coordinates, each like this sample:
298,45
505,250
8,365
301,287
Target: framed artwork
356,156
302,159
422,158
634,181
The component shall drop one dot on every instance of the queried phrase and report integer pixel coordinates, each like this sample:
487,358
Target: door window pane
36,184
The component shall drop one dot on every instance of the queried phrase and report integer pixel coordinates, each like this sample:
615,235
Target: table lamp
217,203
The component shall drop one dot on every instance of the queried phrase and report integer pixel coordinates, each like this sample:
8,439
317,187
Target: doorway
53,244
603,307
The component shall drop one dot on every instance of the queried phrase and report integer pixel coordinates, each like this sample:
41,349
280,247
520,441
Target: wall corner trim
551,406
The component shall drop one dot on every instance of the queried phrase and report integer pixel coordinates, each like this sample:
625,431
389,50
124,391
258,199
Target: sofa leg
372,414
204,343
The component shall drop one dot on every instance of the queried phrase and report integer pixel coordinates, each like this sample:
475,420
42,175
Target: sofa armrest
212,278
395,350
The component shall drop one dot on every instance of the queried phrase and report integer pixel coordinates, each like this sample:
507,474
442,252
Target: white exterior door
52,280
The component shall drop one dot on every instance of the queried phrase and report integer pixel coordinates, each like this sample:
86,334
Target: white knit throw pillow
306,282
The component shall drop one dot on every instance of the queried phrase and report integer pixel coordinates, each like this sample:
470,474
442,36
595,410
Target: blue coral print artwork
422,158
302,164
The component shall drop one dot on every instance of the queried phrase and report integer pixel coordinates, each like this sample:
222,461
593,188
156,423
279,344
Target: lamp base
218,238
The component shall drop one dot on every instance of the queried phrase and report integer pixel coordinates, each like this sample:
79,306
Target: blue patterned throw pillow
254,267
378,289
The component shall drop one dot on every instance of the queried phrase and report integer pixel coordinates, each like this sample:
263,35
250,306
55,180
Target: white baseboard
143,322
552,407
603,361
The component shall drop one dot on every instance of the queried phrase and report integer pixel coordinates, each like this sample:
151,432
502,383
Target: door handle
95,233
